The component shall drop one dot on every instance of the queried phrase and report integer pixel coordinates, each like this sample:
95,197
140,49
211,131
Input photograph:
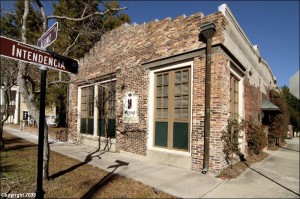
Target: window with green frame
172,109
106,105
87,110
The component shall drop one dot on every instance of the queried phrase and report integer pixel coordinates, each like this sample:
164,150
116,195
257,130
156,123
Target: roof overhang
269,106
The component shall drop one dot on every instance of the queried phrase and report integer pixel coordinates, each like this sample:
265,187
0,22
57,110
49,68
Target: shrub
256,137
279,125
230,138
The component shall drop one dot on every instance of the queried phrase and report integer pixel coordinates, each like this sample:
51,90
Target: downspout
207,33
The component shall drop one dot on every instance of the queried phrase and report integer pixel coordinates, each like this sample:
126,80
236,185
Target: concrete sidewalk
176,181
275,177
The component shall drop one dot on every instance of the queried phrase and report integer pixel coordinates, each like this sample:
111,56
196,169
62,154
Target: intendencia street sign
34,55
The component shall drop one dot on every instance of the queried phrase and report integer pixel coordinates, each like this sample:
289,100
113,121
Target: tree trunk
46,153
1,137
5,113
29,96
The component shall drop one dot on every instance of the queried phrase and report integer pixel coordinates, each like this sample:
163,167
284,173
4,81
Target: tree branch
86,17
58,82
24,18
45,20
69,47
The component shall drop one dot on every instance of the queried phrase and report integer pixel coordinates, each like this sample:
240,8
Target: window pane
83,102
177,77
159,80
234,97
159,91
166,79
165,113
101,127
165,102
158,102
165,90
177,113
185,101
177,102
91,101
90,126
158,113
82,125
111,128
180,136
161,134
185,88
185,76
177,89
184,113
111,101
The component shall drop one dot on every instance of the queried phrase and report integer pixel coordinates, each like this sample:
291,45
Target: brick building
143,89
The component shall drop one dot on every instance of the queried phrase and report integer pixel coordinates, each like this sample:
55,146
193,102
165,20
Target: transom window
172,108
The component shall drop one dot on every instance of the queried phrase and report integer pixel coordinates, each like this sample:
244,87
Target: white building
18,110
294,85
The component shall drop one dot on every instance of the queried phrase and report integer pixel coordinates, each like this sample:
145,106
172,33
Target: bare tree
8,77
27,84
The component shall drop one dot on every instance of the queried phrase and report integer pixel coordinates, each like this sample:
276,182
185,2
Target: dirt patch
239,167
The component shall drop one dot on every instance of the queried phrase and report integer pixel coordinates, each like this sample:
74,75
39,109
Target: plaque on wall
130,110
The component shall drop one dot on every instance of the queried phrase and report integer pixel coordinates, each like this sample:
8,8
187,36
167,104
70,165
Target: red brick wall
198,113
252,100
220,98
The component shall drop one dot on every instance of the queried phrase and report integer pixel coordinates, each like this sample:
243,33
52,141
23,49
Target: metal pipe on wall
207,33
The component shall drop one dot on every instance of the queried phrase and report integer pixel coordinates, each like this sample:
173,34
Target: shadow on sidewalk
105,179
288,149
87,159
272,180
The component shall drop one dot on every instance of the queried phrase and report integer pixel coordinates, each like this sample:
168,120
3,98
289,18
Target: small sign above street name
48,37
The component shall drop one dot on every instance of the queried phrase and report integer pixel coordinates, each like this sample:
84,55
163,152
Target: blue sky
273,25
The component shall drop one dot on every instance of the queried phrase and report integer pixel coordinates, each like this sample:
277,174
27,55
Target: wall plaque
130,110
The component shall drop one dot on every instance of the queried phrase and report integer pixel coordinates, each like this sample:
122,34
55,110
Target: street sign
48,37
34,55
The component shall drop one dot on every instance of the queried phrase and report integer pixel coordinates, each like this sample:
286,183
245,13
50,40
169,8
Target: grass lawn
18,175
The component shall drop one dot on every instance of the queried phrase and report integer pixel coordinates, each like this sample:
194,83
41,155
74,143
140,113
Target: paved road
275,177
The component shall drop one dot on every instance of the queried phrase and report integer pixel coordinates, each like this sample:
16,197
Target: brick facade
121,54
253,100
